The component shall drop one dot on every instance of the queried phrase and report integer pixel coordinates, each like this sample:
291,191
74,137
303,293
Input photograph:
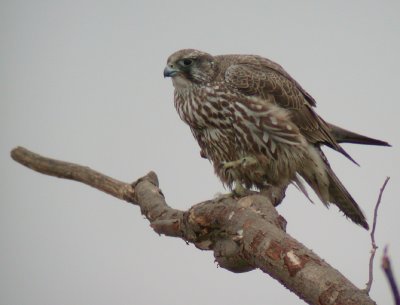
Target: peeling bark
244,233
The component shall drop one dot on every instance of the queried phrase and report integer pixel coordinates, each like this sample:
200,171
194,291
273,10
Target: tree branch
244,233
374,247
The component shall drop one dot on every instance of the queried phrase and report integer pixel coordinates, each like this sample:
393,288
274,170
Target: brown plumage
257,125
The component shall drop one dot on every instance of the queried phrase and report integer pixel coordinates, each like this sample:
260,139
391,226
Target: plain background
82,81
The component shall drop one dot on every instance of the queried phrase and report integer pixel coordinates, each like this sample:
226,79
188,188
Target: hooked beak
170,72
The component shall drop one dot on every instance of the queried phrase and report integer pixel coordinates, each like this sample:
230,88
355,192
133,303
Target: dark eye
187,62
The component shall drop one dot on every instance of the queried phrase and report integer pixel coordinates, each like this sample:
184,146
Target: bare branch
244,233
374,247
387,267
73,171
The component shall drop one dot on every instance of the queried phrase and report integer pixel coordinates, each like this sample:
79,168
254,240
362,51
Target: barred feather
245,106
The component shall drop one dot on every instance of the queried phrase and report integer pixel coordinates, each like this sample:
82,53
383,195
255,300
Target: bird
258,126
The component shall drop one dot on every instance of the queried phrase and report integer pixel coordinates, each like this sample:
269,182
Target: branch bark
244,233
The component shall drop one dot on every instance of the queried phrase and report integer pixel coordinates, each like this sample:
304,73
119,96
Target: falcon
258,126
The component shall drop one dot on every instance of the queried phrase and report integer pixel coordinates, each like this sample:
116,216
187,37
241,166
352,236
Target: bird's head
187,67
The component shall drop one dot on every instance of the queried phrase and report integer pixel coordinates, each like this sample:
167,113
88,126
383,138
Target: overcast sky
82,81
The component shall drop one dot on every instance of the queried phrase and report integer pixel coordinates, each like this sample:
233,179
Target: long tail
342,198
342,135
329,189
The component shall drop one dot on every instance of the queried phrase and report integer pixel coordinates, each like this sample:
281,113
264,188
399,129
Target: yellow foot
244,162
240,190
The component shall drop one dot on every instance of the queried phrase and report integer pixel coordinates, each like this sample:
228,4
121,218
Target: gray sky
82,81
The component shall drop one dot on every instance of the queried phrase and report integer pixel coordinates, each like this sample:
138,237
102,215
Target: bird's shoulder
255,76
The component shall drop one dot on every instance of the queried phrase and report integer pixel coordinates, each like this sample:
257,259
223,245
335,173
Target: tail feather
342,135
344,201
319,175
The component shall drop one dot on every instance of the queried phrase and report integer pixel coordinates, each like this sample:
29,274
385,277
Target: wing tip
345,153
363,223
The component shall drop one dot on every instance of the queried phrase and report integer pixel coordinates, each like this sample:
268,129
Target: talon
229,165
239,189
248,161
225,166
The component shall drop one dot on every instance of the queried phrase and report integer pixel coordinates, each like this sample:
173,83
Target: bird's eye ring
187,62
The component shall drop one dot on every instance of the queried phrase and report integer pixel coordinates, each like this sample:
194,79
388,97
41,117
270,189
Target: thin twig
386,266
373,244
